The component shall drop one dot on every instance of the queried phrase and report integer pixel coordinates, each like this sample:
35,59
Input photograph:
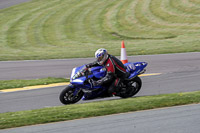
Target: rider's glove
87,66
84,70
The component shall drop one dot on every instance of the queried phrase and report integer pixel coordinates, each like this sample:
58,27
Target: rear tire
132,88
67,96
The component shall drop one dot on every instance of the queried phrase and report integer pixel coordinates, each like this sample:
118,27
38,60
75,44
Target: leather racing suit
115,72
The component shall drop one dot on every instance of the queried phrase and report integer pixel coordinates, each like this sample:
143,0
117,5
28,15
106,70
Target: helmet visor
100,58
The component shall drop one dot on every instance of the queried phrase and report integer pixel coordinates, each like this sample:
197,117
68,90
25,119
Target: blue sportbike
80,86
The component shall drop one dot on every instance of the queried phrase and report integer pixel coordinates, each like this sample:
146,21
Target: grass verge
9,84
77,111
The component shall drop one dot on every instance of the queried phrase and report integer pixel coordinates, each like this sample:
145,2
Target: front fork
76,90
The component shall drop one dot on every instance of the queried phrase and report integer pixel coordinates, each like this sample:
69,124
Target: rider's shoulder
111,56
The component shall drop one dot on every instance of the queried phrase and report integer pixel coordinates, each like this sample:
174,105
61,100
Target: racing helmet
101,55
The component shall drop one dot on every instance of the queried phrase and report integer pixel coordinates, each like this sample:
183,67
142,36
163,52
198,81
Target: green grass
8,84
50,29
77,111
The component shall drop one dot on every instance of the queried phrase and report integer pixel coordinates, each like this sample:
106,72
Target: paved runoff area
180,119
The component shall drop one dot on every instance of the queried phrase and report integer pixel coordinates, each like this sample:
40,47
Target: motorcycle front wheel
132,88
67,96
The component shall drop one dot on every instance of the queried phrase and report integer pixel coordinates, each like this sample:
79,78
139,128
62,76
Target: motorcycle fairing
138,69
77,80
99,72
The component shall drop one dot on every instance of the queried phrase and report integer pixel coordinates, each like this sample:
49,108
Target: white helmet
101,55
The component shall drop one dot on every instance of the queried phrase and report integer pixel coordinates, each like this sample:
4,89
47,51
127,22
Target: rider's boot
114,91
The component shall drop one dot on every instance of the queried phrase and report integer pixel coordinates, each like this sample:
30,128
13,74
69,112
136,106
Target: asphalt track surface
8,3
180,119
180,73
165,63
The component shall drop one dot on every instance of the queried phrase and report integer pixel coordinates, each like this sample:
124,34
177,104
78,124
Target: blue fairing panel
139,67
78,81
99,72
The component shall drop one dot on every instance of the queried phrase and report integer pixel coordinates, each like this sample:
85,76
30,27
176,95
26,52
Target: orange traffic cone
124,59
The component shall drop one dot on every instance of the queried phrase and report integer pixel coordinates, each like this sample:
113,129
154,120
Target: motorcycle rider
115,70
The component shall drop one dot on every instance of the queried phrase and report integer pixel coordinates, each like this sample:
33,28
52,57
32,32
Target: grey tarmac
180,119
9,3
33,69
180,73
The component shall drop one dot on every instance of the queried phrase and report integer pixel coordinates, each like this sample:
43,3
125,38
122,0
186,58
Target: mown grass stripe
119,22
170,17
108,20
150,29
185,7
14,37
166,8
173,10
72,21
95,14
196,2
113,19
37,26
51,29
162,21
53,26
83,23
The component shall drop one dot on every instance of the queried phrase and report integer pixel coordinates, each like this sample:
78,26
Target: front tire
67,96
132,88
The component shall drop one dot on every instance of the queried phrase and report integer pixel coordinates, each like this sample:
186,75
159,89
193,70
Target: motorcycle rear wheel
132,88
67,96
